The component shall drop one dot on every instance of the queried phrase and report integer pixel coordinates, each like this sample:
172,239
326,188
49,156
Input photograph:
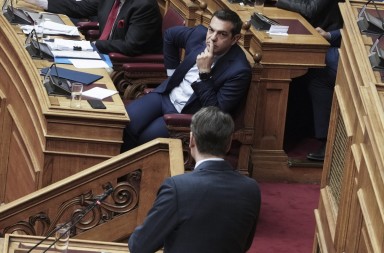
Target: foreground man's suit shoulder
212,209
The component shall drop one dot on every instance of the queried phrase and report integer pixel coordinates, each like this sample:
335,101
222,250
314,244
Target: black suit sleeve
138,30
73,8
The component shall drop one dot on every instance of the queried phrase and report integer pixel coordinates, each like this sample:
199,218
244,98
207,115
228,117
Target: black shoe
319,154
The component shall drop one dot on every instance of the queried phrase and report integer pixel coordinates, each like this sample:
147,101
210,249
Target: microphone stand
369,23
378,13
374,46
73,222
376,55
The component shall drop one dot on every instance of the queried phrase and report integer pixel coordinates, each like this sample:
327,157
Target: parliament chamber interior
56,159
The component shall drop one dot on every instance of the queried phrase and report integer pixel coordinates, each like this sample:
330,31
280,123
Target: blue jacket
231,75
213,209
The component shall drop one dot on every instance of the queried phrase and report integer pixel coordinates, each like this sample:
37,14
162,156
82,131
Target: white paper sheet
99,93
77,54
278,30
89,64
69,45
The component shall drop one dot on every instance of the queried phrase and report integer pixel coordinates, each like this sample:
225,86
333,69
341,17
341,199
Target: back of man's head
212,130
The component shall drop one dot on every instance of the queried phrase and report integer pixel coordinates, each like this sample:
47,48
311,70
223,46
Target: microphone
15,15
369,23
374,46
38,44
376,55
59,82
97,201
54,84
33,46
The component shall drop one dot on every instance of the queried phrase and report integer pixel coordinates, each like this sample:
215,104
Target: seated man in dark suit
136,29
215,71
213,209
325,16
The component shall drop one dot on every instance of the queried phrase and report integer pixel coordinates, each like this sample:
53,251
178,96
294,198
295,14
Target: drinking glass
62,237
39,27
76,90
259,6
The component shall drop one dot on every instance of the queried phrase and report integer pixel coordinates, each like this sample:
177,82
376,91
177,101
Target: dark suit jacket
322,13
231,75
213,209
137,29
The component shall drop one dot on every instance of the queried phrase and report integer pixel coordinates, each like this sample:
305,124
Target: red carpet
286,222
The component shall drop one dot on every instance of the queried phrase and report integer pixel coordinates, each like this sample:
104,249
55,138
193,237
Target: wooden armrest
178,119
144,67
150,58
87,25
92,35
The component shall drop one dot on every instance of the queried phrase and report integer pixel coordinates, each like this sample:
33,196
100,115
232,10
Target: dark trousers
146,119
309,104
321,84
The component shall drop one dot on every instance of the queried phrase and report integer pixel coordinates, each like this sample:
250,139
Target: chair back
172,18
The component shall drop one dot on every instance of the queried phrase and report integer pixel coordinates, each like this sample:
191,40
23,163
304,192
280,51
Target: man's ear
191,140
229,145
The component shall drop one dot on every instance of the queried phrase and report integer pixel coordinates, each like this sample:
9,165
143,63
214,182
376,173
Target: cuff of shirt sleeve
42,3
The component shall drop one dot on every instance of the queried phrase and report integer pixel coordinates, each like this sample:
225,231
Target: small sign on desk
278,30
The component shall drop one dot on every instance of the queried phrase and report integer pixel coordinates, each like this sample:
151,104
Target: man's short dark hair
212,130
229,15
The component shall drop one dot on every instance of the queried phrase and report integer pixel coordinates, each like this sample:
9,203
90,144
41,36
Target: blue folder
64,60
73,75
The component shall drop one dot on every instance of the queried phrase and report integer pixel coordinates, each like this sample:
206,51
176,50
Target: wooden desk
42,140
350,216
282,58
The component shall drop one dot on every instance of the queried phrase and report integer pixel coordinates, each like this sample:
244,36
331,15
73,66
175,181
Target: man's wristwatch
205,76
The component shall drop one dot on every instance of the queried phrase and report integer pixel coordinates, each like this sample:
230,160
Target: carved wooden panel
42,139
134,176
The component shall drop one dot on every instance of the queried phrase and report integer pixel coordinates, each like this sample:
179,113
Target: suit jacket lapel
218,69
184,67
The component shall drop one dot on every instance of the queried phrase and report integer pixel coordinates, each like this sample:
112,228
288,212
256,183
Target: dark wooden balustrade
135,177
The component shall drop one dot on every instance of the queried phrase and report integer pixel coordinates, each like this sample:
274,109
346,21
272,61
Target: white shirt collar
208,159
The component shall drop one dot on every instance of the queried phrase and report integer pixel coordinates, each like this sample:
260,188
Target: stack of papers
77,54
79,49
52,28
69,45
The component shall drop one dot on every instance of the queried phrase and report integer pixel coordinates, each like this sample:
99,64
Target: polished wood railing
43,140
350,216
135,177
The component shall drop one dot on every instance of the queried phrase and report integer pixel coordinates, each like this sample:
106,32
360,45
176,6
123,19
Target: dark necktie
110,21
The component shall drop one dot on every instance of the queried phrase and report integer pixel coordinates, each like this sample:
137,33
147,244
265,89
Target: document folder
73,75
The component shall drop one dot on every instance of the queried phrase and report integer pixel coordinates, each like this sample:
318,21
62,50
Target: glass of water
76,90
39,26
62,237
259,6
